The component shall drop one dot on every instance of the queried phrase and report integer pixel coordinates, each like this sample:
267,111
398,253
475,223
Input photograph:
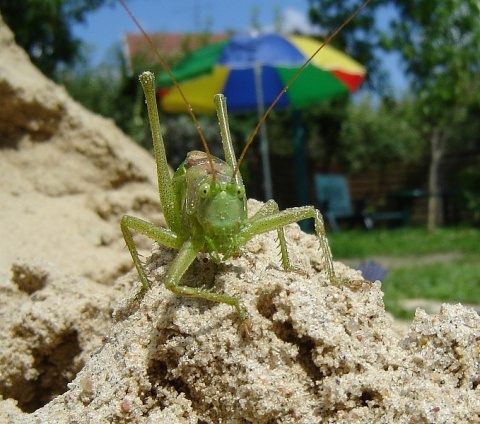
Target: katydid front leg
179,266
160,235
269,218
268,209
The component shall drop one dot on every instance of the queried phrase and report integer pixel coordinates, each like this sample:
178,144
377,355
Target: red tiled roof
169,45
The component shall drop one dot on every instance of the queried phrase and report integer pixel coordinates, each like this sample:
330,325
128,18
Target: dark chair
333,197
335,203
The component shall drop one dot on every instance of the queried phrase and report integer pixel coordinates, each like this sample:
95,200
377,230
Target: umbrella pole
300,158
301,164
267,176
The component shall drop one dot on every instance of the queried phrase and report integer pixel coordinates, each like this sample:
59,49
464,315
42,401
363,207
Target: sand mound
66,178
76,347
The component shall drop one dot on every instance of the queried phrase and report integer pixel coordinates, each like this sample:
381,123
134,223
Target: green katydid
205,206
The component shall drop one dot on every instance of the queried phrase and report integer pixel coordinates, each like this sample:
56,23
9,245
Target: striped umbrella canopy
250,70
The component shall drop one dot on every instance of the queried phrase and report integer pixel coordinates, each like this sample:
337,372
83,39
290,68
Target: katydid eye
240,192
204,190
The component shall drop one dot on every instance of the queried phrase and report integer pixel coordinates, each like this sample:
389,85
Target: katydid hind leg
166,193
227,143
222,115
274,220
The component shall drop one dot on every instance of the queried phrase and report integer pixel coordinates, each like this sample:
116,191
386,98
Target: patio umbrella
250,70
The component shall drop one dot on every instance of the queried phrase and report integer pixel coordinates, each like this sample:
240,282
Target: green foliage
112,91
96,88
469,181
374,137
180,136
358,135
323,125
42,28
439,43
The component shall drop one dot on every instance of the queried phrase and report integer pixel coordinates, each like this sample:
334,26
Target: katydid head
216,204
222,210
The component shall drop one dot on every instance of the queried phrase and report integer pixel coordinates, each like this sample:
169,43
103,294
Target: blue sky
107,26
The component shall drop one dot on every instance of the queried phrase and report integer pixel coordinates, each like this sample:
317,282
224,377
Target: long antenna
176,84
290,82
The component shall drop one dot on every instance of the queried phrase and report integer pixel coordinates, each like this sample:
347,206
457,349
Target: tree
374,137
358,39
439,43
42,28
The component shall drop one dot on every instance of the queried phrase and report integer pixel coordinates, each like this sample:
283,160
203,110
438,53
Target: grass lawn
453,276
